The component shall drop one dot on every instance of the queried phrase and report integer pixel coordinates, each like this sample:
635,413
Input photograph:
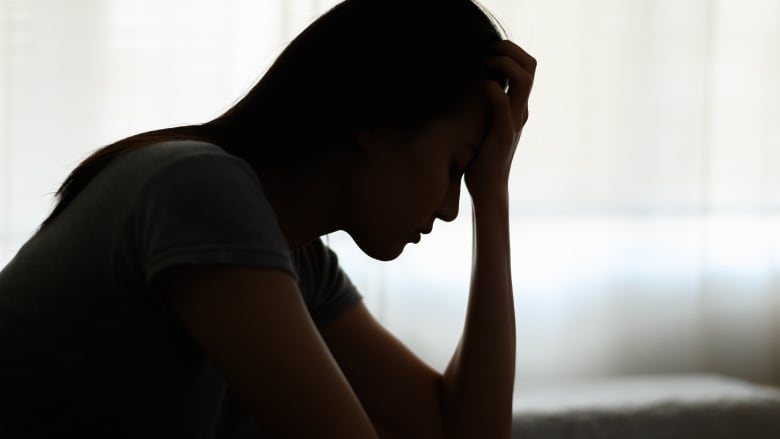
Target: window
646,189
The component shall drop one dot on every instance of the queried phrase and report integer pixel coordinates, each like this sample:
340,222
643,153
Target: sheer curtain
646,189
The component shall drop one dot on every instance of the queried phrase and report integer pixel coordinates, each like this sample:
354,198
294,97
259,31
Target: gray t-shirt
88,344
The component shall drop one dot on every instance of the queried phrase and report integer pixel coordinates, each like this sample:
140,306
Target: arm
473,398
256,339
406,398
479,381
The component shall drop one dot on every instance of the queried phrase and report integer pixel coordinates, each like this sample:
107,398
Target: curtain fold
645,191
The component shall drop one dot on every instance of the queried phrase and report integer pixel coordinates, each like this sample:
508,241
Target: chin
380,250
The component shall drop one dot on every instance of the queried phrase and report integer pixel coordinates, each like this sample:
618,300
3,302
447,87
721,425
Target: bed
658,407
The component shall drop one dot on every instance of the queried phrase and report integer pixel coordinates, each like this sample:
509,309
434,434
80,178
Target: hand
488,173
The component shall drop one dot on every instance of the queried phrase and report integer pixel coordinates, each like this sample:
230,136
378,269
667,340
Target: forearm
477,385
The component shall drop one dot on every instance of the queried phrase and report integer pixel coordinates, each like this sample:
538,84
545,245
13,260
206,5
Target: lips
416,235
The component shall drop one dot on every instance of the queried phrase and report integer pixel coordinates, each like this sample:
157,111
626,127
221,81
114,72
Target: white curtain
646,190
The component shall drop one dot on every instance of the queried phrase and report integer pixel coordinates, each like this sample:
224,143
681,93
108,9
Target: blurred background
645,191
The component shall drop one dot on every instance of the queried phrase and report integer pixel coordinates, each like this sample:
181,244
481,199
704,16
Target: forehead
464,128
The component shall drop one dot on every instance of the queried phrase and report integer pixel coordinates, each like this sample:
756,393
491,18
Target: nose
448,210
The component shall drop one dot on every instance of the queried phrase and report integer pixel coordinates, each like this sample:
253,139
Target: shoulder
190,174
199,205
176,164
182,154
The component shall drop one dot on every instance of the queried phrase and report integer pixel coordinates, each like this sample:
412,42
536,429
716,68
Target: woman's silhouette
179,288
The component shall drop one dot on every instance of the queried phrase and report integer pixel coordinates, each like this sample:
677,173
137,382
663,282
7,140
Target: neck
307,201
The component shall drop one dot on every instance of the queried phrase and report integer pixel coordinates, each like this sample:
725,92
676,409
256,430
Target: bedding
658,407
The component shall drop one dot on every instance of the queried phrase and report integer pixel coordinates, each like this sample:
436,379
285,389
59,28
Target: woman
179,287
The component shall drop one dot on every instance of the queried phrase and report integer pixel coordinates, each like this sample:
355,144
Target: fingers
526,61
520,68
520,83
499,101
502,129
489,170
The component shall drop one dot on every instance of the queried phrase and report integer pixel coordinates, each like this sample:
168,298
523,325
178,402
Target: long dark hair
366,65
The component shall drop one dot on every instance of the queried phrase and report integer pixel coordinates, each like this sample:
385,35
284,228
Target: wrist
491,200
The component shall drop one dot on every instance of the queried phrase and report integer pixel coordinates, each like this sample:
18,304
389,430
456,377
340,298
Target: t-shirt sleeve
207,208
326,288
